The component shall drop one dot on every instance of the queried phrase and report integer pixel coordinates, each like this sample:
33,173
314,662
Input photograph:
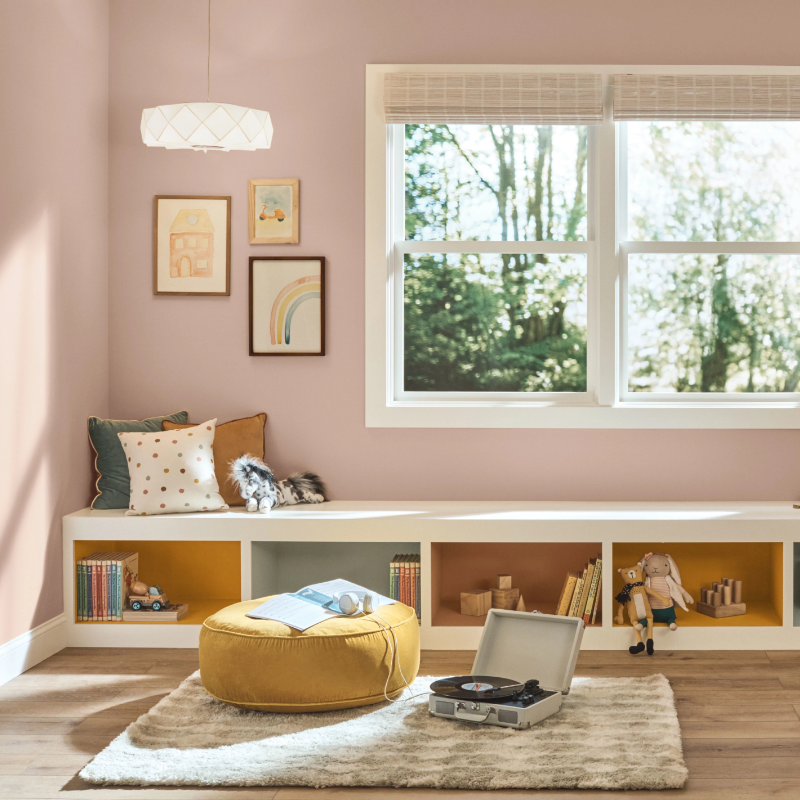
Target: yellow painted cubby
204,574
759,565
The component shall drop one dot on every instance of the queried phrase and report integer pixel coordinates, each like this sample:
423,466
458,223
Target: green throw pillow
111,463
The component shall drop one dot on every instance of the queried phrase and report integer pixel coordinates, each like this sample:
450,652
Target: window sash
629,247
400,246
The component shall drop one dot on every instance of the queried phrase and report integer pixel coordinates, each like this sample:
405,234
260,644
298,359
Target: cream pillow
172,472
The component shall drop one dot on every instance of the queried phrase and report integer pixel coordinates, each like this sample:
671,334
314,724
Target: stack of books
404,582
102,582
580,596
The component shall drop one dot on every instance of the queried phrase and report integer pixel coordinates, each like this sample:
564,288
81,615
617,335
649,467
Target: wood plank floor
739,713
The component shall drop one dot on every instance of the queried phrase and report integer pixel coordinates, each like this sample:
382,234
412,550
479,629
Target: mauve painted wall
304,62
53,286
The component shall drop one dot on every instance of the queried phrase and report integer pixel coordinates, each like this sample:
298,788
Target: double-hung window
598,248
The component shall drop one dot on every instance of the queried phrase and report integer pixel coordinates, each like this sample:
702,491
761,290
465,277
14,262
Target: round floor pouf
340,663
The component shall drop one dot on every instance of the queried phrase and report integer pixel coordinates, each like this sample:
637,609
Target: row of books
404,581
580,596
102,582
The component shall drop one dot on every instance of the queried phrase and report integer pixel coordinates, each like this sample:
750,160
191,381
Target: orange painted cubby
206,575
537,568
759,565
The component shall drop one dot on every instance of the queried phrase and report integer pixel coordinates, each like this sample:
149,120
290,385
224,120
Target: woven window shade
706,97
493,98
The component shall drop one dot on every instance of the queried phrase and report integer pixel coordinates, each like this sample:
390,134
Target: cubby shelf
225,556
538,569
759,565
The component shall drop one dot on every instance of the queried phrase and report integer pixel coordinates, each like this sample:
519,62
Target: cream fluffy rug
611,733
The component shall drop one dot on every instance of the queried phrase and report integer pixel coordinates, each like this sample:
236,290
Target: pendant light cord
208,66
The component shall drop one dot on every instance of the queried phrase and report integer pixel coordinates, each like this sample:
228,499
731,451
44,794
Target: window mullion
605,208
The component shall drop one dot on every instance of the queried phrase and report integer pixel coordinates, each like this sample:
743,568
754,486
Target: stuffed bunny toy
662,574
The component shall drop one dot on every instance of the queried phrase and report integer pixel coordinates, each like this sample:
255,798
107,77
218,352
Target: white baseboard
31,647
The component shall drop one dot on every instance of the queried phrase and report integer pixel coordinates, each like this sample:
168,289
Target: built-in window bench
211,560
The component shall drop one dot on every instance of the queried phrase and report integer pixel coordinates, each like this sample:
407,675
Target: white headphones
348,602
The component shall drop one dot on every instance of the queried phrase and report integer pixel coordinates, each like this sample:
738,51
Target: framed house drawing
287,306
274,210
192,245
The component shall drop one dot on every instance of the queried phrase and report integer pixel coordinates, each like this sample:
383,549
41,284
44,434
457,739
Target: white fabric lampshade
206,126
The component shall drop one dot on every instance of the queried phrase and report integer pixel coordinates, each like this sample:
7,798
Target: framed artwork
287,306
274,210
192,245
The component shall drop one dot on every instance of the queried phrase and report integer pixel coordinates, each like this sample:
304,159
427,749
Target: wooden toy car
153,598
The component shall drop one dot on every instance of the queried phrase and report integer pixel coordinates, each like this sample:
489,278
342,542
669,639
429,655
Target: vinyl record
475,687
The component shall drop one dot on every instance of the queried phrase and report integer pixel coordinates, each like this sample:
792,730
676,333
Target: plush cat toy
662,574
634,598
258,486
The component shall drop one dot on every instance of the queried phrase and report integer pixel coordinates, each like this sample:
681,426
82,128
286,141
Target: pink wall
53,286
304,62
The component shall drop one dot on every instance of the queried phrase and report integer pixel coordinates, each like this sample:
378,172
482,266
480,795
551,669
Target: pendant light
206,126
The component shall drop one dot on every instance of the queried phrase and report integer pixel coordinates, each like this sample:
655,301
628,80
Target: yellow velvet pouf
340,663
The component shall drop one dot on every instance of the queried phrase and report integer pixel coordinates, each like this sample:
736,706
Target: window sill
656,415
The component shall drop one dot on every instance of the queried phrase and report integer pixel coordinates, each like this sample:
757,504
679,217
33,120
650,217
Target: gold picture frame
274,210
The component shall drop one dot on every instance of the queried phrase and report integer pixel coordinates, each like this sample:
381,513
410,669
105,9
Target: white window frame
607,402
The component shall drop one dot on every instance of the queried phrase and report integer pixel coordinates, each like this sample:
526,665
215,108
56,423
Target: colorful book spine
592,596
391,579
87,577
599,590
81,596
396,577
565,600
95,590
418,567
412,581
117,589
573,609
104,588
587,583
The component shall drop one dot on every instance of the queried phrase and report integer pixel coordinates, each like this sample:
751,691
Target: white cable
392,651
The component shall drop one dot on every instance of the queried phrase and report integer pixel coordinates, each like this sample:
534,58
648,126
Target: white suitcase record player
534,653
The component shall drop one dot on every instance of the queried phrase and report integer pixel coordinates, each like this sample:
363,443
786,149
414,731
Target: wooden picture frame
273,210
187,264
279,287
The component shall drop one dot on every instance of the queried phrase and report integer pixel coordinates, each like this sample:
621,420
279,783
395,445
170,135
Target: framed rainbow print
273,208
287,306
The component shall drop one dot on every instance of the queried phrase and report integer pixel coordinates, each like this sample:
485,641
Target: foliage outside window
495,321
713,322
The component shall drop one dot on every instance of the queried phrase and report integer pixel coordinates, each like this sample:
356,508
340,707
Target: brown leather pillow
231,440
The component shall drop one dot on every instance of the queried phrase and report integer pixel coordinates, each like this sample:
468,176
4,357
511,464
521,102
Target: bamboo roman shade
493,98
706,97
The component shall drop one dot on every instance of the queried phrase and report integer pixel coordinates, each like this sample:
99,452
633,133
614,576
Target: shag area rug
611,733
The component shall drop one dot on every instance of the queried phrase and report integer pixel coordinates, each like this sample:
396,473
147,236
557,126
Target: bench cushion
340,663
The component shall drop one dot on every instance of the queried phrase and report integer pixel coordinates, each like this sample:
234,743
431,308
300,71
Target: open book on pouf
171,613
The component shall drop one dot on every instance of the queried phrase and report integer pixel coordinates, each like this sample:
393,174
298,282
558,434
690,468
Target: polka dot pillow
172,472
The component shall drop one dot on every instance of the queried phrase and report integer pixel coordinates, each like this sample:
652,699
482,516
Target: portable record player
523,669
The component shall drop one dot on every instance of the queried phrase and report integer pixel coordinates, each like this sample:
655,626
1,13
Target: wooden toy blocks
476,602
